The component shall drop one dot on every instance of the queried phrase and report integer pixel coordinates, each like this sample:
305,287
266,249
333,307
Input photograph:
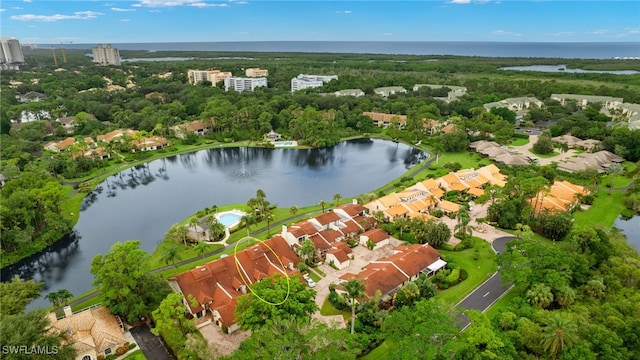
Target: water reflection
144,201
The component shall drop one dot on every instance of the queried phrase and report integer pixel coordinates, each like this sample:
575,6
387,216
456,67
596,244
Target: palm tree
181,233
268,216
558,333
171,254
211,222
322,204
194,222
355,289
462,227
214,208
613,170
336,198
306,250
540,295
201,248
294,210
248,220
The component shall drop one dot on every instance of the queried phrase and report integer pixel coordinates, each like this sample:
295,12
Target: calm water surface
631,228
143,202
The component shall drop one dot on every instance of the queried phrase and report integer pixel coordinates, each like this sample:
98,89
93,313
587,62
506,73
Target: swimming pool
230,218
285,143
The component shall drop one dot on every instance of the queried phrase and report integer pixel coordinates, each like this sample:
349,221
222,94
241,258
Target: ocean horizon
565,50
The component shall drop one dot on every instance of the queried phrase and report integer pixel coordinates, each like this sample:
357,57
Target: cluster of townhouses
418,200
88,147
560,197
214,288
616,107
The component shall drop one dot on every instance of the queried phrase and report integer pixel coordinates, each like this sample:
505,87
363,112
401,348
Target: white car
311,283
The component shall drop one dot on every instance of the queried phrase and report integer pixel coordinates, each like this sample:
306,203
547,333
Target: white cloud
16,8
27,0
504,33
155,11
204,5
344,12
78,15
387,34
2,10
165,3
599,32
633,30
121,9
125,20
460,1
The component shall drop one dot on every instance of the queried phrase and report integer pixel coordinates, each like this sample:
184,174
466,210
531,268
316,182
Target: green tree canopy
275,297
123,277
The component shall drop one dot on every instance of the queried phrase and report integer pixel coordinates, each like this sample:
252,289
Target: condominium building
212,75
256,72
240,84
106,55
10,53
304,81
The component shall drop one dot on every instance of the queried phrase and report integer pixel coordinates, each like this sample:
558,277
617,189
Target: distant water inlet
230,218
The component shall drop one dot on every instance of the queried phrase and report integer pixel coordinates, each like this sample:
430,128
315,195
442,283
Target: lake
565,69
144,201
631,228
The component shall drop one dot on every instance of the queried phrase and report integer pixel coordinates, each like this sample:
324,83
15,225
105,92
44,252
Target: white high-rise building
106,55
304,81
10,53
241,84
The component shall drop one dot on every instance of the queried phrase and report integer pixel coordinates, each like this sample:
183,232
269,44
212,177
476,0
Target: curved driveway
489,292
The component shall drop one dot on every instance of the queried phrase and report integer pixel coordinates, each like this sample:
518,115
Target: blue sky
130,21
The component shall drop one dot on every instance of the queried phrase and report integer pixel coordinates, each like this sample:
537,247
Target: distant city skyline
147,21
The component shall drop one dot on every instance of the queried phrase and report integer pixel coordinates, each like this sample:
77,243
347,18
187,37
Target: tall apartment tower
106,55
10,53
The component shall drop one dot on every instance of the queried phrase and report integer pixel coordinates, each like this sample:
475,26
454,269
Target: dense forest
575,298
154,96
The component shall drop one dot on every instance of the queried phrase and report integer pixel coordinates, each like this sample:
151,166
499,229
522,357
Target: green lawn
478,270
381,352
603,212
519,142
501,304
328,309
136,355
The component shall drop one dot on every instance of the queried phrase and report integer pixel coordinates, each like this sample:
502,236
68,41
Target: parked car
311,283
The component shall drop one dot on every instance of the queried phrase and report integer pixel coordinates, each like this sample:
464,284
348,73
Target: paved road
151,345
489,292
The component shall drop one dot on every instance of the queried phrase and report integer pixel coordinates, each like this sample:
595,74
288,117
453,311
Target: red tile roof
376,235
351,227
339,254
221,282
352,209
327,218
342,246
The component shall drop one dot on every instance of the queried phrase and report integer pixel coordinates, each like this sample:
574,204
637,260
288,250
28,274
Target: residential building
632,113
241,84
68,122
11,56
214,76
391,273
31,96
598,161
377,237
385,120
607,102
150,143
256,72
304,81
389,90
197,127
106,55
117,135
454,91
349,92
561,196
515,104
214,288
93,332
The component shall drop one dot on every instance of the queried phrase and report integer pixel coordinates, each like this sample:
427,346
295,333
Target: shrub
101,357
121,350
463,275
225,329
338,301
132,346
453,278
588,199
437,213
110,357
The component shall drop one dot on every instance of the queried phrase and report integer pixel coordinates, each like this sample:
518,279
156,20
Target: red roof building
217,285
